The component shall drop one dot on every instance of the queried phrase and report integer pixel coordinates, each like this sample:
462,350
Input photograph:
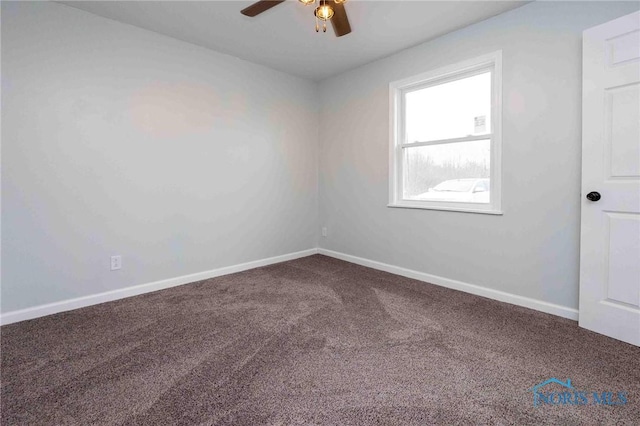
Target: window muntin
445,138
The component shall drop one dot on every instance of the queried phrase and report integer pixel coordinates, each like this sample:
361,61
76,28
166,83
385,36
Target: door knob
593,196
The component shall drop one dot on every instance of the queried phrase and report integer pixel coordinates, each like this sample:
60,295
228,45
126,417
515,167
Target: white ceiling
284,37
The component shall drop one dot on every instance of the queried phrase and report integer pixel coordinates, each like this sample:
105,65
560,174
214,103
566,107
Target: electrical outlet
325,232
116,262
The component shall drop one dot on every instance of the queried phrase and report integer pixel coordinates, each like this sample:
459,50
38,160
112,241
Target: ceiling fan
327,10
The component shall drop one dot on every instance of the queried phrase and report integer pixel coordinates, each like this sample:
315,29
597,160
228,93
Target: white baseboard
94,299
81,302
538,305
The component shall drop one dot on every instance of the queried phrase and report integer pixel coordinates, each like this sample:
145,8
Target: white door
610,227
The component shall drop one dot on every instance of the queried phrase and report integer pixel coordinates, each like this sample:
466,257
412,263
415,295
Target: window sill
461,209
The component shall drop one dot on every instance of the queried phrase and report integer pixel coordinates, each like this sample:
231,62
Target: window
445,138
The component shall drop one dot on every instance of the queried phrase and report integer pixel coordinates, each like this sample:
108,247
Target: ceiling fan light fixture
324,12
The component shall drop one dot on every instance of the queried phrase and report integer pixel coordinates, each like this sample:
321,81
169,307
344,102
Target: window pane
450,110
456,172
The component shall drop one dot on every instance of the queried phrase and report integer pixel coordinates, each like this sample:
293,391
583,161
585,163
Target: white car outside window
459,190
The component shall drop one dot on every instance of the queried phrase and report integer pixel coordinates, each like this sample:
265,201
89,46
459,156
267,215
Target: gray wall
533,249
117,140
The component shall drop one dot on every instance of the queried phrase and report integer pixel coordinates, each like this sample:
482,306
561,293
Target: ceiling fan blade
259,7
340,21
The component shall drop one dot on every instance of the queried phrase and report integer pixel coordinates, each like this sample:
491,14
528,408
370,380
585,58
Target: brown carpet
311,341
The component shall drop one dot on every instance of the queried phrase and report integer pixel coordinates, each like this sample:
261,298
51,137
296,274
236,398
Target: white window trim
492,60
